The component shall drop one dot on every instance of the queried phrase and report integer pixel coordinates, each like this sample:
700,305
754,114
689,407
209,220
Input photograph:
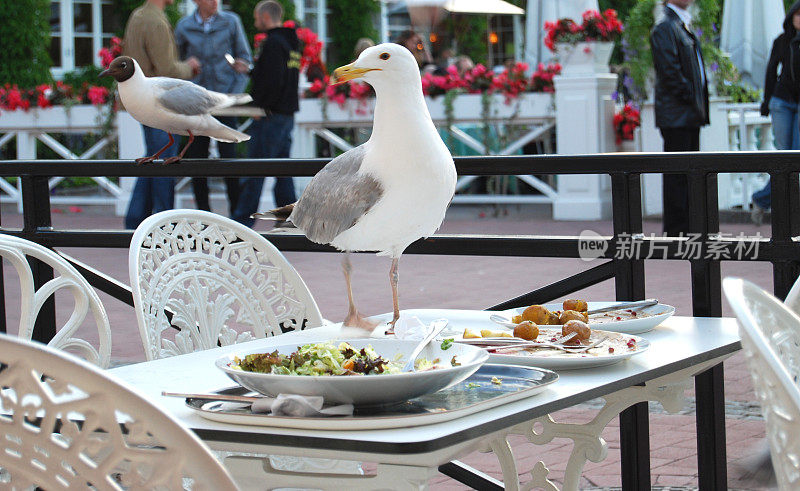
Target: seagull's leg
353,319
394,276
145,160
172,160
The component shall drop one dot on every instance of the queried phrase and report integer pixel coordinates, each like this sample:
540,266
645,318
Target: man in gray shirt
209,34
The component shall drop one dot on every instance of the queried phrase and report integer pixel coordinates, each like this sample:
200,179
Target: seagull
392,190
176,106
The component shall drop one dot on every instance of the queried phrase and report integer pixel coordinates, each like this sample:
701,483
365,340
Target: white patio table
407,458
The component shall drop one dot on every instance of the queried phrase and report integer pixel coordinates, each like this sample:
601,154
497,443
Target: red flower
625,123
594,27
258,39
97,95
290,24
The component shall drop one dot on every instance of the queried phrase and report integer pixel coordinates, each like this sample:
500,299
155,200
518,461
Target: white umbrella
498,7
748,29
541,11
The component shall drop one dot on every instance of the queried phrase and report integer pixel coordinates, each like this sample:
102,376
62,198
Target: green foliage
788,3
470,32
354,20
123,9
25,35
727,79
244,9
87,75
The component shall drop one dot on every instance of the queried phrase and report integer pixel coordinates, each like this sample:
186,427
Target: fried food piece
486,333
536,314
551,319
516,319
569,315
579,327
526,330
470,334
576,305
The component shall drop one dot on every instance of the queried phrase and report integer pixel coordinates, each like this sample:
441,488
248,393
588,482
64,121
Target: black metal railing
781,250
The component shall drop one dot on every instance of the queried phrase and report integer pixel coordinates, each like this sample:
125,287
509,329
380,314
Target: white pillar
26,150
130,142
584,115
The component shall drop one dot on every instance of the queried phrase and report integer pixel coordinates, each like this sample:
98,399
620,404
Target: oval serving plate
469,396
645,320
560,360
367,389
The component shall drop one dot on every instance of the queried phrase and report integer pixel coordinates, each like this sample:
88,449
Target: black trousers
676,187
199,150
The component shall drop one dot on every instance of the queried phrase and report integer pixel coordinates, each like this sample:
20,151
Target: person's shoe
757,214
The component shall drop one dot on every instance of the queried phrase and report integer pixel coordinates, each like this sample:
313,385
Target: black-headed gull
390,191
176,106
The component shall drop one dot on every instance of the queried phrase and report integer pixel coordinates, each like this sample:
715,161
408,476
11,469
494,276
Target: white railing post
26,150
584,115
130,142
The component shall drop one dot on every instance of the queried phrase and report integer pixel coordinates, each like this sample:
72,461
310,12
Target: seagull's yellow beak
349,72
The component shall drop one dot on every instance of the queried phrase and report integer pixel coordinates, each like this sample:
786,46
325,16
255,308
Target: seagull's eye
124,64
384,56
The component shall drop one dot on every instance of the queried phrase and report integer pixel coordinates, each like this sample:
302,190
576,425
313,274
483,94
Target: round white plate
646,319
368,389
560,360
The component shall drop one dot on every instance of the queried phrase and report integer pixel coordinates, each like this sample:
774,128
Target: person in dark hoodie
274,80
781,98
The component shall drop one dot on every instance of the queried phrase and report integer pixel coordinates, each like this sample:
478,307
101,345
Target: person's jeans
199,150
152,194
785,129
271,137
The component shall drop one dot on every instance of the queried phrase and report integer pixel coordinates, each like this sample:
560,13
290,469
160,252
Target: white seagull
176,106
390,191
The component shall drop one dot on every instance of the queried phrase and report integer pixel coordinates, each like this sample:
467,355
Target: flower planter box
466,108
584,58
78,118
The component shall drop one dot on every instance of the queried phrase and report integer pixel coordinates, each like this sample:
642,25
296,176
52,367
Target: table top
678,343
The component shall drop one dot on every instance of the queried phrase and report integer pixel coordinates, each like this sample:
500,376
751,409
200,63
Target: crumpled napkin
299,406
411,328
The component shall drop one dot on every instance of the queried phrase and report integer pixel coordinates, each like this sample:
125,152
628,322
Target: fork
568,349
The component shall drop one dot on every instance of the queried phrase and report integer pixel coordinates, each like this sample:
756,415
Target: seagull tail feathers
227,135
279,214
240,99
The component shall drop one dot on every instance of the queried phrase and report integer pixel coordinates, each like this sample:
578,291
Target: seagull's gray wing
184,97
336,197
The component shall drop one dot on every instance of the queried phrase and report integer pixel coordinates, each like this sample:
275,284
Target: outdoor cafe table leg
588,443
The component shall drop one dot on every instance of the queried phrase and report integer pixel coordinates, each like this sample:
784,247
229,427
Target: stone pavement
478,282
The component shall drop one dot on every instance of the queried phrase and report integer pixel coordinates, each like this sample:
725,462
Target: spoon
437,327
639,304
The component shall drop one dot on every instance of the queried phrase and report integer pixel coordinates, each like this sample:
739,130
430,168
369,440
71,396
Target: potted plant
584,49
625,123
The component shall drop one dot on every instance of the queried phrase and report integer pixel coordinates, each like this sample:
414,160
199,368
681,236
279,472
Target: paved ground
478,282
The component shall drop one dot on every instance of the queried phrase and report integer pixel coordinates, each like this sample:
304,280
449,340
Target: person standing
681,102
209,34
148,39
274,79
781,98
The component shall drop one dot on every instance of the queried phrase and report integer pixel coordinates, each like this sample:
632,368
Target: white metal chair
17,251
66,424
223,283
771,341
793,297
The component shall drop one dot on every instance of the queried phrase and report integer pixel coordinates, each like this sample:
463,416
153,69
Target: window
78,29
313,14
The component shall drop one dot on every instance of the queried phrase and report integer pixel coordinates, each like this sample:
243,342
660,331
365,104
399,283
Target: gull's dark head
122,68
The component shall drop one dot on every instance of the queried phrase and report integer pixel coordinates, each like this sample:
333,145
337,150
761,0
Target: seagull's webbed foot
171,160
145,160
355,319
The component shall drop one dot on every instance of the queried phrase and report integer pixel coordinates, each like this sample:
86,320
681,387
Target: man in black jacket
274,88
681,102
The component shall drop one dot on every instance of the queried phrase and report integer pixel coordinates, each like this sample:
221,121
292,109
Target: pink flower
97,95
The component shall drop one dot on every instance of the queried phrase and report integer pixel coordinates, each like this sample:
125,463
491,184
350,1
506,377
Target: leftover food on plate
615,344
327,359
575,309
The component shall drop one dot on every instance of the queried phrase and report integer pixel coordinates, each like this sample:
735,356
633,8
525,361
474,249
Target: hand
195,65
241,66
764,108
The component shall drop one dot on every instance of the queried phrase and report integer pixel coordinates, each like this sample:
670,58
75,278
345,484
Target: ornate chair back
221,282
17,251
67,424
793,297
771,342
